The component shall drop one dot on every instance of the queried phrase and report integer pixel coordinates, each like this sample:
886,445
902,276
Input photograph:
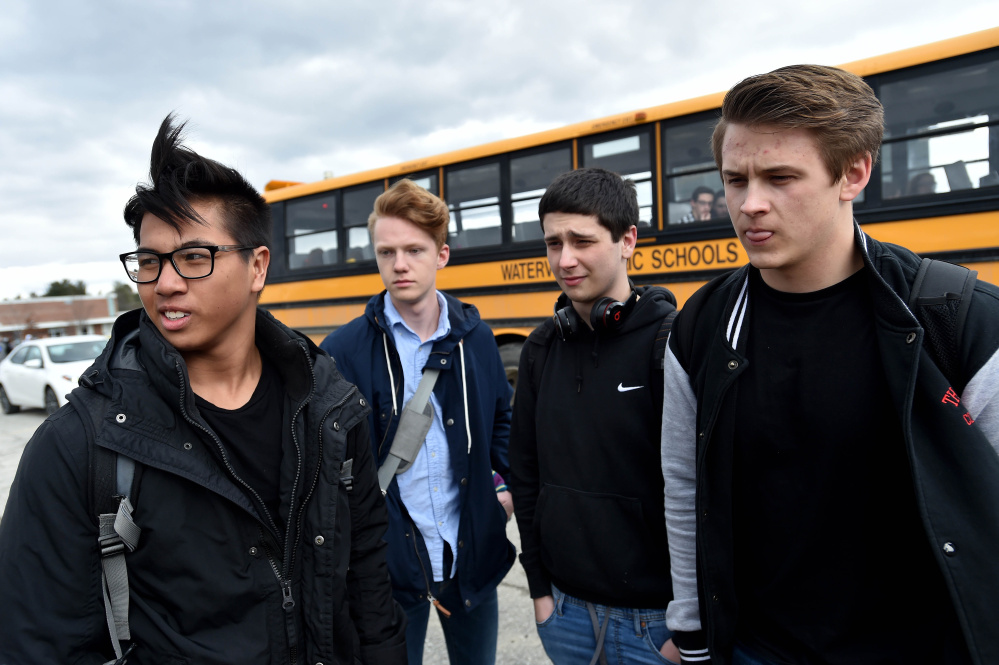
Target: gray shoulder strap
117,532
414,424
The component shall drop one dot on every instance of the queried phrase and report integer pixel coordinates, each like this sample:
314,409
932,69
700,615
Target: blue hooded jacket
472,371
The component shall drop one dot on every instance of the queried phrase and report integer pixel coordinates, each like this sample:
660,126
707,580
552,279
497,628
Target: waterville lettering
526,270
705,255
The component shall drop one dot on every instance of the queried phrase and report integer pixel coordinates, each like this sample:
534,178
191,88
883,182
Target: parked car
38,373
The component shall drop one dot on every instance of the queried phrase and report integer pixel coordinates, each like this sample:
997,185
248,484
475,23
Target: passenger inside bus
922,183
701,205
720,209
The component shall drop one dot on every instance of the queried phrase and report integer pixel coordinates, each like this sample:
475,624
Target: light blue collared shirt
427,487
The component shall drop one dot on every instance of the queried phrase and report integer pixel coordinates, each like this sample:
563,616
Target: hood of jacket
641,310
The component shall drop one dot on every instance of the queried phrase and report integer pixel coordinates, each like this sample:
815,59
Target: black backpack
940,300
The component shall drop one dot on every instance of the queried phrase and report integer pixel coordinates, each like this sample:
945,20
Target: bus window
310,229
529,178
357,206
630,156
941,130
473,195
690,168
427,180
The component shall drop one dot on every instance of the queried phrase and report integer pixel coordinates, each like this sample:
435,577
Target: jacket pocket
598,542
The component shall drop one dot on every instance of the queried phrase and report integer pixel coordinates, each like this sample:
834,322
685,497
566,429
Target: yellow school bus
934,190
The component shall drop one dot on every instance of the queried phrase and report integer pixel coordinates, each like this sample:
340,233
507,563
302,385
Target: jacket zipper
282,575
315,479
430,596
291,548
290,543
225,458
287,600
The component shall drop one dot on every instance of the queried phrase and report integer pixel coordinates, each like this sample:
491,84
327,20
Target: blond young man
831,494
447,531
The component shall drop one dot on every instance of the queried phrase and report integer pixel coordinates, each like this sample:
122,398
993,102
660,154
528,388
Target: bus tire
510,355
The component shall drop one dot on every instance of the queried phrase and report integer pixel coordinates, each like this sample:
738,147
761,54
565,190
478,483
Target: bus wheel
510,354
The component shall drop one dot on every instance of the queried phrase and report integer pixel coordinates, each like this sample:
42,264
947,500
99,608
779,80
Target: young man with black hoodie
584,446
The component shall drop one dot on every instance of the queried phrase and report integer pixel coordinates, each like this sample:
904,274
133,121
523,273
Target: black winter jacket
584,448
210,580
952,446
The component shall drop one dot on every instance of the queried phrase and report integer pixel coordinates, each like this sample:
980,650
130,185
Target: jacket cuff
388,654
537,582
392,649
693,647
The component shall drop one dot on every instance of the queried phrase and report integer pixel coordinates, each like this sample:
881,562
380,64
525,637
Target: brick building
57,316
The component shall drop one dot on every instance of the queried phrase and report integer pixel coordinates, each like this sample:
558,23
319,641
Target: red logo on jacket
950,397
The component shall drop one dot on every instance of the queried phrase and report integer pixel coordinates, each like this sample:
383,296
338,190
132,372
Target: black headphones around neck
606,314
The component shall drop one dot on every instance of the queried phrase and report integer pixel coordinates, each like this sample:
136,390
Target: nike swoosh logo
621,388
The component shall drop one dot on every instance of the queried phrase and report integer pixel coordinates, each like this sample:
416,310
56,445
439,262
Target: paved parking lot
15,430
518,640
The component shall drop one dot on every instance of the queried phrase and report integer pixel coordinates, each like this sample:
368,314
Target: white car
38,373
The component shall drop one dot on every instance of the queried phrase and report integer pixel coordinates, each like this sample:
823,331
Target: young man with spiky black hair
258,519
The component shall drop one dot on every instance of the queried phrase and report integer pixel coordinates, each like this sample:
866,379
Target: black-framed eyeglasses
189,262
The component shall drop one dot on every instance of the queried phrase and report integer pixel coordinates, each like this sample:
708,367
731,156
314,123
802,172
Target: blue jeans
470,636
632,636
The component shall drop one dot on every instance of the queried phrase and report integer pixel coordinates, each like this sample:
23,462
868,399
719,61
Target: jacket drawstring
464,386
464,394
395,409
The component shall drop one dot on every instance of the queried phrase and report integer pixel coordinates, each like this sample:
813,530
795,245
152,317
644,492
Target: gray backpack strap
117,532
111,478
417,416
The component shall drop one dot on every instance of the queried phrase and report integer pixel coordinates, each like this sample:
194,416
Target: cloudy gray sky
291,90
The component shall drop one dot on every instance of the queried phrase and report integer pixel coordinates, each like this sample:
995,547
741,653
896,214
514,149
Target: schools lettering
706,255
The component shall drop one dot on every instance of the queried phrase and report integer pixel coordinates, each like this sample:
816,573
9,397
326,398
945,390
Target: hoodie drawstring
464,394
464,386
395,409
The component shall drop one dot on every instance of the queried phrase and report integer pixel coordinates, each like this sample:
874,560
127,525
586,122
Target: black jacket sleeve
525,481
378,618
51,607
